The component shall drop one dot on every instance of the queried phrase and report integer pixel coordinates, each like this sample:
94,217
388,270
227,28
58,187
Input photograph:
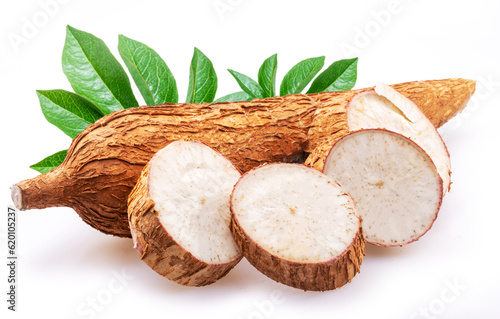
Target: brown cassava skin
306,276
159,250
439,100
105,161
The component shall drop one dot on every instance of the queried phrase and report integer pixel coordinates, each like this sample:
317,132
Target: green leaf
339,76
150,73
70,112
202,79
50,162
300,75
267,75
248,85
94,72
235,97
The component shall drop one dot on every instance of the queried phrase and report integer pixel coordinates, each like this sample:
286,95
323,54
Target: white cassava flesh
191,185
386,108
187,237
394,183
297,226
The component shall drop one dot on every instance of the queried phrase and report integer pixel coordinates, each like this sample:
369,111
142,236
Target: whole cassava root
105,161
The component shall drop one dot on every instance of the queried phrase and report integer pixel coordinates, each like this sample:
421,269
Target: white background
451,272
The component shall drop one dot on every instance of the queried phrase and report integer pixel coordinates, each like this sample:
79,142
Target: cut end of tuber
16,195
297,226
394,183
387,109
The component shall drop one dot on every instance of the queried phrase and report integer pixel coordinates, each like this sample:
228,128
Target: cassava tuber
105,161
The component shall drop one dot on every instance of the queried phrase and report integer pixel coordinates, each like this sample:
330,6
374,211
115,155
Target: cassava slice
105,161
394,183
297,226
179,214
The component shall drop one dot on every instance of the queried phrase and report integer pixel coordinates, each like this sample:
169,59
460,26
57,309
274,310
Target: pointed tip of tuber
16,195
439,100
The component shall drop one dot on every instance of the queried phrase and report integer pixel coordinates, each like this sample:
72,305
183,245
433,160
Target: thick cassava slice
179,214
106,159
394,183
297,226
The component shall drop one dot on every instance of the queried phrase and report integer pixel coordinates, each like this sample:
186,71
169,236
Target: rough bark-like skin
106,159
439,100
159,250
306,276
328,125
